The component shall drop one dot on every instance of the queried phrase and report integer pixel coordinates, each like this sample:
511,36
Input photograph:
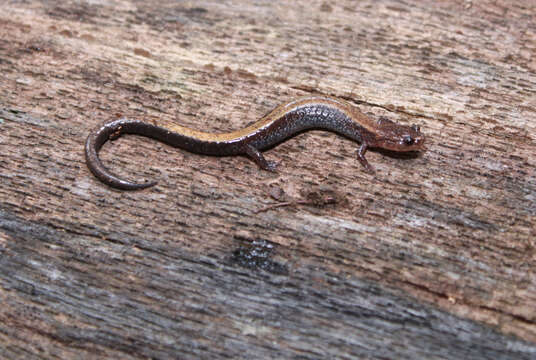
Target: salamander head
396,137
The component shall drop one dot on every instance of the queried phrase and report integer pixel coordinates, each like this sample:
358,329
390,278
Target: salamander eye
416,127
408,140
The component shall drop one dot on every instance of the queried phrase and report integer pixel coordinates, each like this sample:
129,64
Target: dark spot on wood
209,67
277,193
5,61
429,69
325,7
444,116
322,196
196,11
257,254
142,52
260,31
88,37
67,33
174,18
306,88
247,75
36,48
74,11
455,55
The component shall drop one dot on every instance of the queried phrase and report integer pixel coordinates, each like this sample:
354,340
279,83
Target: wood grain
432,257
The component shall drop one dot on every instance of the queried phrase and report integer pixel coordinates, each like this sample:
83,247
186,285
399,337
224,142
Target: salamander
285,121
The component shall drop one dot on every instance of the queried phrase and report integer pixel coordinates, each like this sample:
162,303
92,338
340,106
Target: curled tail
112,130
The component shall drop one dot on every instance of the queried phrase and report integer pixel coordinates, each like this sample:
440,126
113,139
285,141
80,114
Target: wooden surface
433,257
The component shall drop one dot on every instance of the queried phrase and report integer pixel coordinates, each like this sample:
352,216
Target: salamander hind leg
361,157
259,159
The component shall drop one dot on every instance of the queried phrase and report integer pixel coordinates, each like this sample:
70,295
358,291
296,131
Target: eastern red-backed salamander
318,112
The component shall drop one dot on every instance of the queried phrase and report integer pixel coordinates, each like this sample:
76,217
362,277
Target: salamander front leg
361,157
256,156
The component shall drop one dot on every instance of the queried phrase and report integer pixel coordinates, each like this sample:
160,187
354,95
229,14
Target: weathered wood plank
129,297
433,257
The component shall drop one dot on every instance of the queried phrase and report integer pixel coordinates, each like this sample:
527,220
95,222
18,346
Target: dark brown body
280,124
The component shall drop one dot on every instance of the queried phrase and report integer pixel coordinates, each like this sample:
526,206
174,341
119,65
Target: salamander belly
298,120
